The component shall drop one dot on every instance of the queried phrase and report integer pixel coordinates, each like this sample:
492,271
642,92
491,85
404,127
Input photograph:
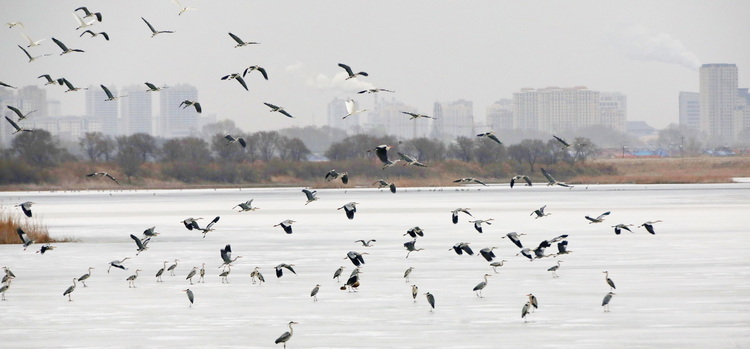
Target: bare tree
96,146
488,152
462,149
189,149
37,148
267,144
425,149
529,151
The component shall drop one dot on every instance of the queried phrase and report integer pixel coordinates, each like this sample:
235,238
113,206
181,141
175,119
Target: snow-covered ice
688,286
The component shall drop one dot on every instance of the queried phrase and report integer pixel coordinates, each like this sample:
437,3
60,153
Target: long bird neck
291,330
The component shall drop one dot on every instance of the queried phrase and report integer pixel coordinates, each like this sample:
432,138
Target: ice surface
688,286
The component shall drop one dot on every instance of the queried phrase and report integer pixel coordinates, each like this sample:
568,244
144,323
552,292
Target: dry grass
9,223
671,170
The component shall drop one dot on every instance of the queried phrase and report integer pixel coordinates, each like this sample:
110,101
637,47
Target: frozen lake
688,286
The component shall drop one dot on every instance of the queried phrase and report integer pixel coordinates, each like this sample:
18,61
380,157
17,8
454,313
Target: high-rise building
555,109
613,110
135,111
500,115
454,119
101,112
33,98
387,118
718,101
336,113
690,109
174,120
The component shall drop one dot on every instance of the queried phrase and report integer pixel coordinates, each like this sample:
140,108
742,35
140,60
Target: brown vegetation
9,223
671,170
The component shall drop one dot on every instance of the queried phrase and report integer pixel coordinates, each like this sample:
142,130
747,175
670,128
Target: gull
88,13
382,184
352,108
454,214
241,43
332,174
82,23
32,43
649,226
540,212
619,227
18,112
64,48
599,218
478,223
71,88
105,35
374,90
382,153
48,78
236,76
519,177
275,108
6,85
491,136
110,96
231,139
469,180
350,72
154,32
252,68
350,209
310,195
24,238
153,88
564,143
246,206
408,160
188,103
183,9
103,174
416,116
13,24
286,225
18,128
552,180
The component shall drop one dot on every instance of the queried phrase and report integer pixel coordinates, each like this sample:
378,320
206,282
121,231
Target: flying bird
469,180
103,34
24,238
410,246
332,174
71,88
286,225
514,238
350,209
238,77
18,128
183,9
188,103
18,112
226,256
103,174
599,218
241,43
416,115
6,85
478,223
414,232
117,264
408,160
383,184
310,195
32,42
140,244
275,108
154,32
31,59
374,90
110,96
620,227
252,68
49,79
88,13
246,206
491,136
454,214
381,152
649,226
564,143
552,180
356,258
487,253
494,265
352,107
153,88
519,177
82,23
540,212
280,269
350,73
45,248
231,139
64,48
209,226
462,247
367,243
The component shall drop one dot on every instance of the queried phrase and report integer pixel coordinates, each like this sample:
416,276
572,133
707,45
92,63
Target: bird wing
345,178
382,153
198,107
347,68
351,105
467,249
263,71
237,39
26,52
527,179
151,86
242,142
87,31
137,242
105,35
290,268
85,10
149,25
494,138
226,254
112,178
282,111
561,141
242,82
478,181
392,186
405,157
649,228
12,123
310,196
22,235
60,44
601,216
17,111
107,92
212,222
454,216
549,176
271,105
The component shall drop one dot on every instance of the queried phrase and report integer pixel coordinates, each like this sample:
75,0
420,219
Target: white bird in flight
183,9
154,32
352,108
32,42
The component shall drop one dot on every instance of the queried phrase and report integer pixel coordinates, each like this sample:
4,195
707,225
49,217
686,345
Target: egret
88,13
562,141
155,32
286,225
226,256
605,301
409,245
110,96
18,128
619,227
160,272
280,269
103,34
480,286
350,209
332,174
407,272
430,300
414,232
103,174
141,244
85,277
191,274
356,258
246,206
554,268
599,218
540,212
70,290
520,177
255,274
231,139
462,247
487,253
491,136
64,48
153,88
202,273
497,264
374,90
187,103
383,184
252,68
350,73
414,292
649,226
310,195
469,180
82,23
117,264
287,335
69,85
32,58
238,77
478,223
416,115
408,160
26,207
240,42
172,267
381,152
183,9
314,292
525,311
190,296
454,214
24,238
337,273
551,180
275,108
609,281
49,79
352,107
131,279
225,274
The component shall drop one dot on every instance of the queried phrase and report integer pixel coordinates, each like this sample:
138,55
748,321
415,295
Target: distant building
101,112
690,109
387,118
135,111
174,120
499,115
555,109
613,110
454,119
336,113
719,101
32,98
639,129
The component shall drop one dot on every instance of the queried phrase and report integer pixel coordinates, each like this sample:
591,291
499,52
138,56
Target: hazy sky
425,50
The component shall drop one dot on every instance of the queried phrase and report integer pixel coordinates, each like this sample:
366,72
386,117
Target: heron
65,49
454,214
155,32
355,271
85,277
469,180
8,273
353,282
231,139
356,258
332,174
383,184
190,223
26,207
275,108
110,96
69,85
311,196
381,152
7,85
131,279
286,225
150,232
525,311
5,288
367,243
49,79
350,73
407,272
337,273
255,274
413,116
514,238
209,226
430,300
190,296
314,292
409,160
253,68
16,127
375,90
414,292
238,77
191,274
494,265
153,88
32,58
82,23
490,135
462,247
246,206
240,42
554,268
24,238
526,252
518,178
141,244
414,232
540,212
45,248
562,141
551,180
172,267
202,273
352,107
605,301
562,247
103,34
183,9
103,174
287,335
487,253
188,103
350,209
478,223
539,251
117,264
480,286
599,218
18,112
280,269
409,245
650,226
70,290
225,274
609,281
88,13
160,272
226,256
619,227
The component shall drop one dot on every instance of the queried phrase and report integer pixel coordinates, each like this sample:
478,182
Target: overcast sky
425,50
